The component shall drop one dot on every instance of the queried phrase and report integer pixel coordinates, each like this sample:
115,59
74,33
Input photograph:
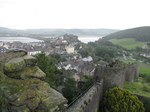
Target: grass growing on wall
128,43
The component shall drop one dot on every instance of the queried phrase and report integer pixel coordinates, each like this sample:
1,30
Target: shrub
146,102
147,78
145,88
121,100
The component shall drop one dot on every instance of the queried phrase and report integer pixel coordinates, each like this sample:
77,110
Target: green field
138,87
128,43
129,61
144,69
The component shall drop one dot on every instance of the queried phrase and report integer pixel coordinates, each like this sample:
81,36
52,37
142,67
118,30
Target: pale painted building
69,49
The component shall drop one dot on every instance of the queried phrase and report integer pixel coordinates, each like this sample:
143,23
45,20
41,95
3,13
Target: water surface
20,39
88,39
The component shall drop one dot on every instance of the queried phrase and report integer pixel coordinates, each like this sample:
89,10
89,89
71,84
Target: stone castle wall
89,102
70,37
116,73
113,74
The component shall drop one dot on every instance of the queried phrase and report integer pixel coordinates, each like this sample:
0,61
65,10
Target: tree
103,50
58,57
89,81
107,58
43,61
47,65
70,90
121,100
84,53
147,78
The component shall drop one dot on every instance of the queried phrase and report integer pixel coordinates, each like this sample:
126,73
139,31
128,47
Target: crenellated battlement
115,73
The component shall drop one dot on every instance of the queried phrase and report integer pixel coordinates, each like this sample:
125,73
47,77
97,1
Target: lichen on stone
15,64
30,60
21,85
28,72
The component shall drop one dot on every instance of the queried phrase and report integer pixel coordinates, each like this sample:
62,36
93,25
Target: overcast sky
114,14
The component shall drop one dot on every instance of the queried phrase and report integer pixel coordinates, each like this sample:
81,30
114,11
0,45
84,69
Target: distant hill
10,32
5,30
47,32
139,34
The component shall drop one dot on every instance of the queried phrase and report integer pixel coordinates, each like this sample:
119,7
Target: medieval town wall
89,102
105,76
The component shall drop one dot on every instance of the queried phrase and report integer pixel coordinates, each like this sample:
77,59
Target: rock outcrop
23,88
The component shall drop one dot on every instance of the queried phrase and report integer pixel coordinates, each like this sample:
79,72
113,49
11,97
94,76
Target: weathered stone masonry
89,102
22,85
105,76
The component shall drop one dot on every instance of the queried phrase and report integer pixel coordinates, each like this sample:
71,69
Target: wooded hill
139,34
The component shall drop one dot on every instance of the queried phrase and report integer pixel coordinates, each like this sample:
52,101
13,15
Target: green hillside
128,43
139,34
139,86
144,69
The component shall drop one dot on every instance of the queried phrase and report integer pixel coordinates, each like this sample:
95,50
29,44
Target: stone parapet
89,102
116,73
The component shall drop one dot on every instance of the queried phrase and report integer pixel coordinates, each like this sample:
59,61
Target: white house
33,52
89,59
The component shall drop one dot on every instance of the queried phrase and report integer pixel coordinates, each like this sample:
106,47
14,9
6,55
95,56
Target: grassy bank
140,86
144,69
128,43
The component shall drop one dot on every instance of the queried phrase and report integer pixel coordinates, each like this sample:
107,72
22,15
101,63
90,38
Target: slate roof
102,63
79,64
86,66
